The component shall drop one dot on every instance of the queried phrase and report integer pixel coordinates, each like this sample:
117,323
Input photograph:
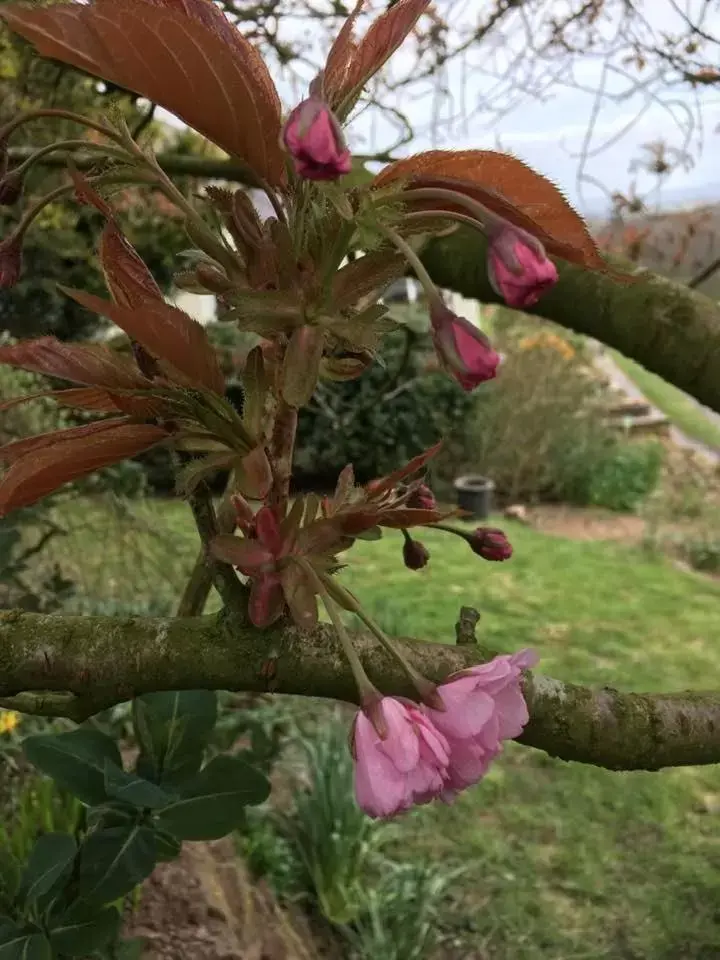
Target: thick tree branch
76,666
667,327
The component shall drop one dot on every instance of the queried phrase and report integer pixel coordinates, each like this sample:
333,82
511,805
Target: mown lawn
563,861
682,411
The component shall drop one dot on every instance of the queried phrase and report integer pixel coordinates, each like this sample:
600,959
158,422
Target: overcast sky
547,125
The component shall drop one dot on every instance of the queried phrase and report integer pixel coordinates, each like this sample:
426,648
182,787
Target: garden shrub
540,432
399,403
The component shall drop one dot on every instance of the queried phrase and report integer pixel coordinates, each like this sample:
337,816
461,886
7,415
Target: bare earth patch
583,523
205,906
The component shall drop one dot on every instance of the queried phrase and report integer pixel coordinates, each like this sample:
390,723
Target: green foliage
621,477
60,889
702,551
401,914
404,410
540,432
333,841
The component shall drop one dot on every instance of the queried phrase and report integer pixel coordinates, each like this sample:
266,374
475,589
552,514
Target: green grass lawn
678,407
564,861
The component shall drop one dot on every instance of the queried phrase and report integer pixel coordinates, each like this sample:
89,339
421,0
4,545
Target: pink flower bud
315,141
415,554
462,349
400,759
490,544
10,261
518,267
422,498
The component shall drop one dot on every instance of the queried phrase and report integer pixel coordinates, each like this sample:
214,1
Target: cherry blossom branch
76,666
668,328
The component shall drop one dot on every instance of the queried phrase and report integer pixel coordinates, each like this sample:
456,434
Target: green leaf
51,859
114,861
168,846
111,815
211,805
80,930
132,789
26,943
130,949
76,761
173,730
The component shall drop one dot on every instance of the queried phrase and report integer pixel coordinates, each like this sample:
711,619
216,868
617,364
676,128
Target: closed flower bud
314,139
518,268
422,498
462,349
490,544
415,554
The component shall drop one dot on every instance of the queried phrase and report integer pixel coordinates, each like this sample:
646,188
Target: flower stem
351,603
366,687
412,258
13,125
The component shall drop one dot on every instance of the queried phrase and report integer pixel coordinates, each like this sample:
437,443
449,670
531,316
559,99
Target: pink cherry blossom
518,267
407,764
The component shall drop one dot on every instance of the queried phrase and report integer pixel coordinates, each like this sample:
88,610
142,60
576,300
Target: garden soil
205,906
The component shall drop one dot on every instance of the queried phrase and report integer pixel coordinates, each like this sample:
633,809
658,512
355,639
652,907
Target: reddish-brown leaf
183,54
16,449
249,556
166,332
351,64
128,278
90,398
383,484
508,187
91,364
299,595
255,474
46,468
401,517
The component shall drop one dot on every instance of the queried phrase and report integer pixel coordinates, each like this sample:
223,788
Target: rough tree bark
76,666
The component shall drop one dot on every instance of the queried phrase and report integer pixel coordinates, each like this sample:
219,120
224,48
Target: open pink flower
406,765
315,141
462,349
518,267
483,706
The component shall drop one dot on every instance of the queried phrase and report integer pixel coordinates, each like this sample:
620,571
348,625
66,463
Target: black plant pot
475,494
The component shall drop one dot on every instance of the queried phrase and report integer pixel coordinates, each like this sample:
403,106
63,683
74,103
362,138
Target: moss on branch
76,666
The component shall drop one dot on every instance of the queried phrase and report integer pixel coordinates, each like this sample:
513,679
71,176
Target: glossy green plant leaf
211,805
173,729
76,761
50,861
114,861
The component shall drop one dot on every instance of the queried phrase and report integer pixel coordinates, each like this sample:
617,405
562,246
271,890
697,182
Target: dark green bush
620,476
702,552
391,413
